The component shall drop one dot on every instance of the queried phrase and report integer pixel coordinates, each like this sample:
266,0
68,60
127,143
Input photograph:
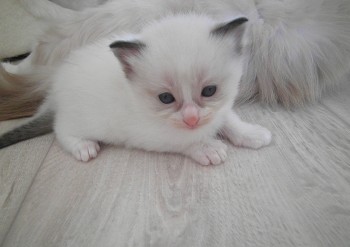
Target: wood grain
18,167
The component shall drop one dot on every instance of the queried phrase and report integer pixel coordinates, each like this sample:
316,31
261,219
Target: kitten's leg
245,134
209,152
82,150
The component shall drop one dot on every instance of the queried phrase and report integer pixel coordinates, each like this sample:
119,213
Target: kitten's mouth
192,127
194,124
187,127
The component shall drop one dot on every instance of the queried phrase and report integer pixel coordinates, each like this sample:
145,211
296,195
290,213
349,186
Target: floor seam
26,194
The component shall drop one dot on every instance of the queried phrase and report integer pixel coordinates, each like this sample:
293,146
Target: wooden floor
295,192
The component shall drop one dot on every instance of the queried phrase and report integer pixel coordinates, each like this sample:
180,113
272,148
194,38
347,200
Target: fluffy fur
298,49
115,95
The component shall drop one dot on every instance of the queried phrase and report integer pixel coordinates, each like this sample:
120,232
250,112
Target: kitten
297,49
170,88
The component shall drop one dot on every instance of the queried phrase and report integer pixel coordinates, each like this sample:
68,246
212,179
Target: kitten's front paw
253,136
213,152
86,150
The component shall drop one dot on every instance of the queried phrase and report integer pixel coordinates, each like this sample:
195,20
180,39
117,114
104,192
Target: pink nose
190,115
191,121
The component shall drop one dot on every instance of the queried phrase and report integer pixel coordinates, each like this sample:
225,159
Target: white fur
297,49
94,102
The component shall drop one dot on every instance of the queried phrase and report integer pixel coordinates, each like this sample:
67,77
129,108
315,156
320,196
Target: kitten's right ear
234,28
125,51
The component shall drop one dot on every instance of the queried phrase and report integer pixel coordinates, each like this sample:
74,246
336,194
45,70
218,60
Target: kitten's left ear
233,28
125,51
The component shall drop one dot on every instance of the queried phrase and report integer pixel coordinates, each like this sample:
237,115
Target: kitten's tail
40,124
299,50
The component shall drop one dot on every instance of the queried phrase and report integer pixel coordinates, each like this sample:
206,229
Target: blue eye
166,98
208,91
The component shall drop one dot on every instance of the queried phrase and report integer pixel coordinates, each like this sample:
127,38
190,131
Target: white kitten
169,89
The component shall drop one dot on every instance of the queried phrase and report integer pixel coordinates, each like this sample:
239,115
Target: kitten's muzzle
190,116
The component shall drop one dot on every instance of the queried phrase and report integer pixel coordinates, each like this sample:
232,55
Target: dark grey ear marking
234,28
124,51
224,29
136,45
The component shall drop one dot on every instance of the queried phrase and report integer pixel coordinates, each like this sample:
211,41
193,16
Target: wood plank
129,197
18,167
315,143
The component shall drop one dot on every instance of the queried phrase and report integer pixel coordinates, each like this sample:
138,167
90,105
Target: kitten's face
187,102
187,95
183,74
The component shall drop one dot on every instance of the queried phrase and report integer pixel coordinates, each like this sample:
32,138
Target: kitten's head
186,69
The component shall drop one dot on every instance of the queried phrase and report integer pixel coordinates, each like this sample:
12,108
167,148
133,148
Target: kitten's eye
208,91
166,98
